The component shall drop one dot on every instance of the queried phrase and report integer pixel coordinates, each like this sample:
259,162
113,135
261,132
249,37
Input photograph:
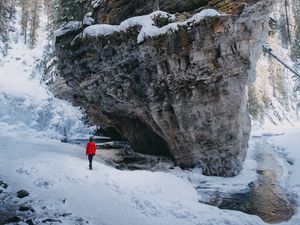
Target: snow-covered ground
53,172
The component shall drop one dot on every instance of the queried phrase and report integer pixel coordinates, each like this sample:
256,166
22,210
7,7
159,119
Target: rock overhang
180,92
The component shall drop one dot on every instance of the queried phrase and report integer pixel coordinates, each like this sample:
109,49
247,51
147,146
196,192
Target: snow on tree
34,22
30,20
7,10
25,18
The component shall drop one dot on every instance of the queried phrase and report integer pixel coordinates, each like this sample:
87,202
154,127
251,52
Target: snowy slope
27,106
59,182
56,171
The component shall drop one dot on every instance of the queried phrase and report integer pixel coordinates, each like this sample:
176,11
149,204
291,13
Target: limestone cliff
181,92
274,97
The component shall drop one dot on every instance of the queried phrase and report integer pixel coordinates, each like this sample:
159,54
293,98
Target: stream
264,197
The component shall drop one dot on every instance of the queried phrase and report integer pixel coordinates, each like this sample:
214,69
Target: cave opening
139,135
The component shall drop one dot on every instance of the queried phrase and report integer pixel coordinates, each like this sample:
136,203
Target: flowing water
264,197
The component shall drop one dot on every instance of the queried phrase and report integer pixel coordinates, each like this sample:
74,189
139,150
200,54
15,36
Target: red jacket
90,148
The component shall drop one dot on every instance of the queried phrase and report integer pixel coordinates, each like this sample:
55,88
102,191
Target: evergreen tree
25,18
7,10
2,20
34,22
156,5
60,12
296,45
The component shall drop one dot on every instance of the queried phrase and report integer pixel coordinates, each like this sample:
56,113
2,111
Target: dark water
264,197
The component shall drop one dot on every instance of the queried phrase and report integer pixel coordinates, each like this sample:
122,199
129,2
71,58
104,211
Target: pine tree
47,4
296,45
25,18
7,10
60,12
156,5
2,18
34,22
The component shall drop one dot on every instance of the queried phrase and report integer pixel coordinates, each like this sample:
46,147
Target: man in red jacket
90,151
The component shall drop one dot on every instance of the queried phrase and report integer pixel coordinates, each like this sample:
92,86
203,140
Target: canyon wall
274,97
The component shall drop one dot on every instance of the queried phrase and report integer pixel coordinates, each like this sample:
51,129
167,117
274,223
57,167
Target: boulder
22,194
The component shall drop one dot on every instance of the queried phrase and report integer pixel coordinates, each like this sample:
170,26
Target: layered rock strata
116,11
180,93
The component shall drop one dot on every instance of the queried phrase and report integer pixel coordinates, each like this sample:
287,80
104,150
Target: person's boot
90,167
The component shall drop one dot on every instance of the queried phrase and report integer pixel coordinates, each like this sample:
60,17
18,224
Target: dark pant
90,160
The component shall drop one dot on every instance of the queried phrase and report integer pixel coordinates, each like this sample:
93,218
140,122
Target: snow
96,3
69,27
27,107
88,20
148,28
52,171
275,83
56,174
276,113
224,184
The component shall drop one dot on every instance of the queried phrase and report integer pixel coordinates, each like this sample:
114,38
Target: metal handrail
269,50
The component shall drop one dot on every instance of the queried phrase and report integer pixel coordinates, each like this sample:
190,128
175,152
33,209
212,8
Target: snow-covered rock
147,24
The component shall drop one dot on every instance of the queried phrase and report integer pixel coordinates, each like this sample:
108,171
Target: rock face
181,93
115,11
273,98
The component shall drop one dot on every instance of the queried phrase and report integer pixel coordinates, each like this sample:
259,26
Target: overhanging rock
180,91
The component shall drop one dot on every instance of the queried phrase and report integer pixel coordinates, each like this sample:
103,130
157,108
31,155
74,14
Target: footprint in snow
75,180
22,171
44,183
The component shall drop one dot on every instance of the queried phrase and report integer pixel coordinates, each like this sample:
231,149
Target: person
90,151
